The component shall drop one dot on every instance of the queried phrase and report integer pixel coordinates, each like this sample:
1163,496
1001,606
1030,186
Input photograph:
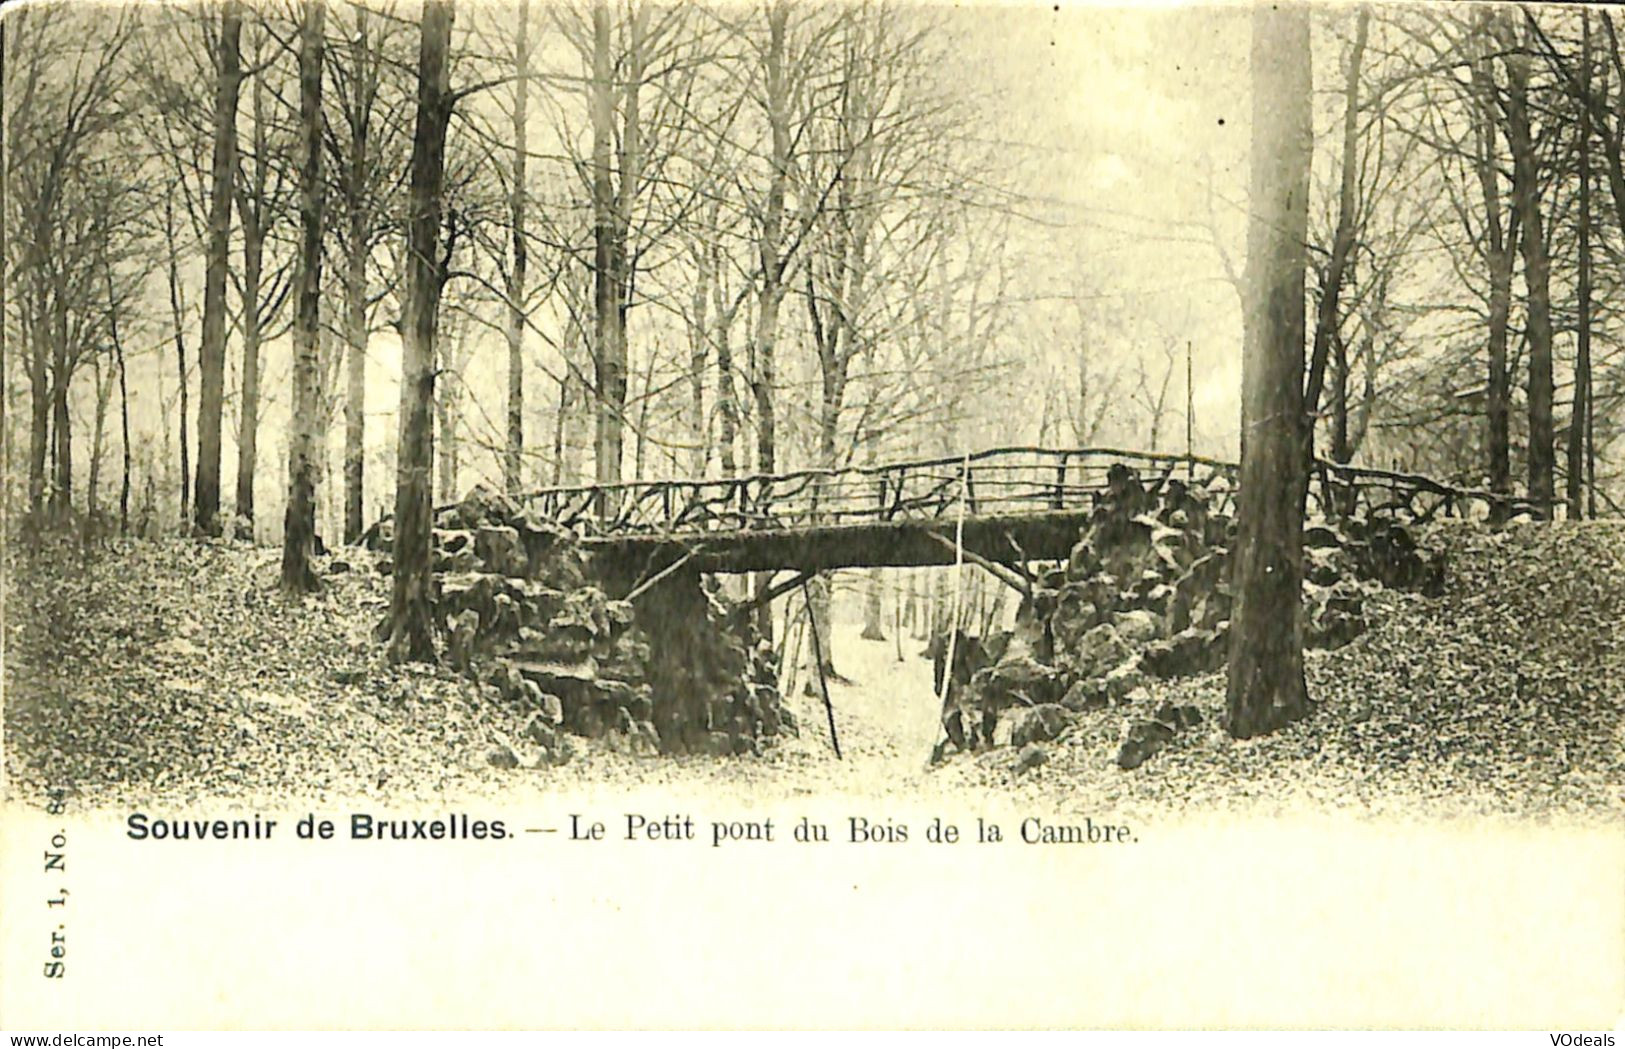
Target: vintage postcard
871,514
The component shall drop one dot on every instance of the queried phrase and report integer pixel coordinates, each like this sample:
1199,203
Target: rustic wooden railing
997,482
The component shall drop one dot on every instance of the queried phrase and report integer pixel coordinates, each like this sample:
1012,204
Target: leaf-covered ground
175,671
1504,696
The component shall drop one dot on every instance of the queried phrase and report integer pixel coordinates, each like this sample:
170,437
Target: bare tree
517,315
366,144
299,527
1266,684
1580,417
410,624
73,203
212,351
258,195
1536,264
1326,316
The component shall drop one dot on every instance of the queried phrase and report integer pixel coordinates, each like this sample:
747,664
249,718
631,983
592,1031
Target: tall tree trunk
699,335
644,401
178,315
61,503
212,352
123,403
558,426
1537,277
609,350
874,624
1498,391
1581,414
252,211
358,207
355,392
511,474
98,434
39,430
1266,684
1327,317
248,430
727,404
299,520
446,439
770,249
411,626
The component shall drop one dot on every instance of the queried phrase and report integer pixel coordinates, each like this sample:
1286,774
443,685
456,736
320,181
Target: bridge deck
1017,504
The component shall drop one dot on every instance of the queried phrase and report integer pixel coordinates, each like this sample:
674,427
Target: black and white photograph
1126,492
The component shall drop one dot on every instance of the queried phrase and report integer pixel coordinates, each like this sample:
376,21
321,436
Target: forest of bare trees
551,243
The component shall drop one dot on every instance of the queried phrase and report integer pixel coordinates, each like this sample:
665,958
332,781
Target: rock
644,739
483,506
1123,679
1138,696
460,562
1074,615
559,676
539,730
1321,537
549,706
1039,724
641,704
450,541
1125,545
1136,627
502,756
1083,562
1191,651
1098,651
1389,555
1031,756
583,617
1018,680
381,537
586,719
1158,601
462,635
337,567
628,658
1333,616
499,550
1177,718
1322,567
1085,694
1144,739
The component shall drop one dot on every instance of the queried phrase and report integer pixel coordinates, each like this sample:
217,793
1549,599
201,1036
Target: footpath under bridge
1007,506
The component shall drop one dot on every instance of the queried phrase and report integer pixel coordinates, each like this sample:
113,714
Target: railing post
1059,502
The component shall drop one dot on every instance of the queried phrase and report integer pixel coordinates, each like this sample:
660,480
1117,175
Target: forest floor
168,672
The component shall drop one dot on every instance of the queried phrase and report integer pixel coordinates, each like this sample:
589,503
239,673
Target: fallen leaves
177,671
1504,695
